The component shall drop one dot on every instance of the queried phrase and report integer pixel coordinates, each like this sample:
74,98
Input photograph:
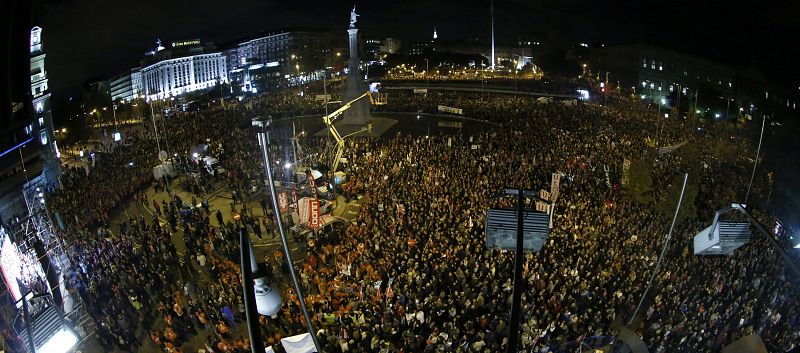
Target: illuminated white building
174,76
42,127
127,86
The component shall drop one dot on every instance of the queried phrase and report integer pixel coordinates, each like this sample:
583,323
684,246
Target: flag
626,166
313,219
555,184
542,207
283,202
544,194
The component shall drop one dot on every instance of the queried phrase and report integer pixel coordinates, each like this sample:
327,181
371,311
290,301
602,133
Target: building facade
656,73
172,77
28,150
43,117
256,64
390,46
127,86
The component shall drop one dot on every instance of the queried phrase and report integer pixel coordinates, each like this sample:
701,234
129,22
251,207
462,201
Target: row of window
658,65
180,74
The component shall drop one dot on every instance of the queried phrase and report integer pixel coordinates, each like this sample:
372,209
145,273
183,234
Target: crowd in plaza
412,273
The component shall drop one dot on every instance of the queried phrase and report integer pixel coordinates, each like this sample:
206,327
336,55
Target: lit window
652,85
653,64
41,121
644,84
671,89
644,63
43,136
660,66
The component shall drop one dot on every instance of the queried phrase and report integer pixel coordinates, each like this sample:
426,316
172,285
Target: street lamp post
755,163
263,140
663,249
426,74
155,128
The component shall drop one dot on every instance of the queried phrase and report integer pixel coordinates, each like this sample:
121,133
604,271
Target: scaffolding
44,266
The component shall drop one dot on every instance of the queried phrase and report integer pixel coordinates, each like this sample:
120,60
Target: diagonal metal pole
263,140
663,250
755,163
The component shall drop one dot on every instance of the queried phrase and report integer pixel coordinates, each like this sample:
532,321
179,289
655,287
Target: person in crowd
412,272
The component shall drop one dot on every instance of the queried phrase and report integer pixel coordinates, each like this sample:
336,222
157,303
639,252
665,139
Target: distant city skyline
90,38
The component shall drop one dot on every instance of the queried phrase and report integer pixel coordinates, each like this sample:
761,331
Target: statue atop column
353,18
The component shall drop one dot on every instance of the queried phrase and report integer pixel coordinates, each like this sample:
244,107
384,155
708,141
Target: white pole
294,141
755,163
155,129
663,250
491,10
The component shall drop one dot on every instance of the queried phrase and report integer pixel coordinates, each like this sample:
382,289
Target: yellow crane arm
328,119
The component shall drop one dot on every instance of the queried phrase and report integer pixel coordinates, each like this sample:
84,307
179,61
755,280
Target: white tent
299,344
161,170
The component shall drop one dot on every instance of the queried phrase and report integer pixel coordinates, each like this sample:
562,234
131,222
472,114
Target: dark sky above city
89,38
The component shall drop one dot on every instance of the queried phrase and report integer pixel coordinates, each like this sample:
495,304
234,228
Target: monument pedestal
358,114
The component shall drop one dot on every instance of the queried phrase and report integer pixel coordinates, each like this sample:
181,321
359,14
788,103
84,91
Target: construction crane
375,97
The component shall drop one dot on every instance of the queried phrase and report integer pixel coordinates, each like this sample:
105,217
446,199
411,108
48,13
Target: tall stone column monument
358,114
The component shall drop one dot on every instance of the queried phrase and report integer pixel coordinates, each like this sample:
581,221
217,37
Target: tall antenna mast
491,10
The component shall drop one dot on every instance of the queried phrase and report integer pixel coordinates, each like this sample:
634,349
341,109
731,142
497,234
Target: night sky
91,38
87,38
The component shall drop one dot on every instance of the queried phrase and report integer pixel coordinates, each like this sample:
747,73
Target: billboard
11,265
19,269
501,229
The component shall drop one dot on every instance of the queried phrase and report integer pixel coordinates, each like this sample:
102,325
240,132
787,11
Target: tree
688,210
640,179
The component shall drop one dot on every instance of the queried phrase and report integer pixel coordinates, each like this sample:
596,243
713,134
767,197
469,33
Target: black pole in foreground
519,258
263,140
254,331
28,323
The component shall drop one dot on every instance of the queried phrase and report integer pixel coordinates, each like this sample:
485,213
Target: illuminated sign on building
185,43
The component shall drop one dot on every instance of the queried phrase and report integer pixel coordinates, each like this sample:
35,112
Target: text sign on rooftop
185,43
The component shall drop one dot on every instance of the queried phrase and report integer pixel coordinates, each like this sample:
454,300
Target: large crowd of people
412,272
